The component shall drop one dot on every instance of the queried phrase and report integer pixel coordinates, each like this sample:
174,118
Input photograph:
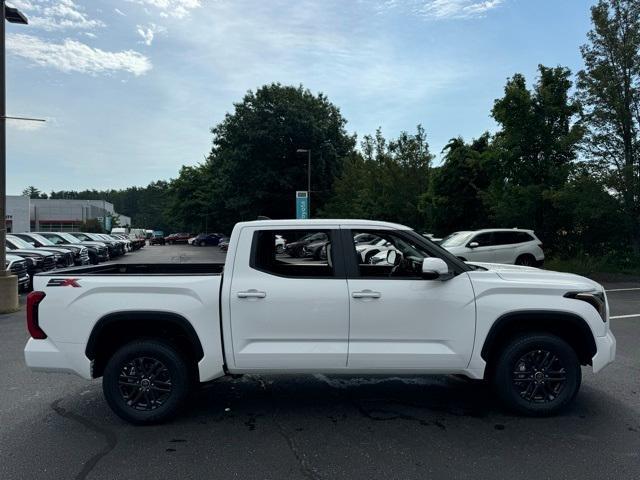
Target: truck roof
323,221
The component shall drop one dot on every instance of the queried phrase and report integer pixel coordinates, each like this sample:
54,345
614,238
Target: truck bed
140,269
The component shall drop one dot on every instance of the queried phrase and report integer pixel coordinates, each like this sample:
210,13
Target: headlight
596,299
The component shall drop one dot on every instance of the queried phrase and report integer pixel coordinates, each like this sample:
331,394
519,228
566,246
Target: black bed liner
140,269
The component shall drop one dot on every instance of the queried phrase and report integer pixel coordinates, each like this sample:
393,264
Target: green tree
609,88
254,168
536,148
33,192
455,201
92,226
386,181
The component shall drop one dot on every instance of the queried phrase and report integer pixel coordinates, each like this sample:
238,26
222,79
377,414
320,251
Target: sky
131,88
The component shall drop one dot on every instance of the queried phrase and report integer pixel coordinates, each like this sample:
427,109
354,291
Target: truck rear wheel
146,382
537,374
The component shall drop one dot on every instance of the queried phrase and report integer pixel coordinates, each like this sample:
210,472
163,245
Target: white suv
499,245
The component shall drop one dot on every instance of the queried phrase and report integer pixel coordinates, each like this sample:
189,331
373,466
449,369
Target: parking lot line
625,316
622,289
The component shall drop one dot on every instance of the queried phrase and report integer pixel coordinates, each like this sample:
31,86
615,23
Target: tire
136,358
202,244
279,249
526,260
519,374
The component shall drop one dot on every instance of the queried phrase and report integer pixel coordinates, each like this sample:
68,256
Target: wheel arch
117,328
570,327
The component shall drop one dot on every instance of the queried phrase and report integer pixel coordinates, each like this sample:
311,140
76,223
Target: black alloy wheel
539,376
146,381
536,374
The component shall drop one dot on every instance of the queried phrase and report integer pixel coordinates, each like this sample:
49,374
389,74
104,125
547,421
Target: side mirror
473,245
433,268
394,258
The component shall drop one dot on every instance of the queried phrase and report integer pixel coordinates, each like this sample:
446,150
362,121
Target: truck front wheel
537,374
146,382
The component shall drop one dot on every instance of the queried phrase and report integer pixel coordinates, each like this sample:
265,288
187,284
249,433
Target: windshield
18,242
42,240
68,237
456,239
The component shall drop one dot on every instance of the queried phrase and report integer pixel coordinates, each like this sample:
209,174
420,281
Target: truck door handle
366,294
252,294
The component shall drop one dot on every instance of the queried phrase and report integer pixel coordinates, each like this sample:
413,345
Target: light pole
8,283
308,152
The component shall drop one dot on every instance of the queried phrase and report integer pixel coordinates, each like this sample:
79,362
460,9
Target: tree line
563,161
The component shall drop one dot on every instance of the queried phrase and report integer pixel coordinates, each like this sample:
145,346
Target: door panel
284,323
413,324
399,320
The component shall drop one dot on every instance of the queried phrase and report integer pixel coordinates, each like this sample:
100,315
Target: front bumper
605,351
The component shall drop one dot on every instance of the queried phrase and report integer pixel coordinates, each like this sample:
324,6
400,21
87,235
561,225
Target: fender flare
143,315
545,318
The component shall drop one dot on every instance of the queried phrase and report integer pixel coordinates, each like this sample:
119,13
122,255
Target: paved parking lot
321,427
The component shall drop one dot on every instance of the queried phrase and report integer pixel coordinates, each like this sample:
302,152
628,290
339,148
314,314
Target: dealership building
26,214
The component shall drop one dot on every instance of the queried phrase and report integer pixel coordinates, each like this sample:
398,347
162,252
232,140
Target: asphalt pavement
321,427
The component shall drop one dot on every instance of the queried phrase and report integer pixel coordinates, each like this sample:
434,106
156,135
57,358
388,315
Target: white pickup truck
153,331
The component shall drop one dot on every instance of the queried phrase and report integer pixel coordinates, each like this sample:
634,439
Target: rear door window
306,253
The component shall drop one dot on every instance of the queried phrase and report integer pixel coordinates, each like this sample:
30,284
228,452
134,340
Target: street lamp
308,152
8,283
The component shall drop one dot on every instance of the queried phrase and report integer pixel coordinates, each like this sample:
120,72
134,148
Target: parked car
42,261
157,238
224,244
525,331
496,245
61,259
315,248
121,244
296,249
88,253
369,250
205,239
114,247
80,253
18,267
176,238
102,250
128,243
137,239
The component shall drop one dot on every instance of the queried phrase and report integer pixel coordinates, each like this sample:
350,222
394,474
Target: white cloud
148,33
58,15
333,53
21,4
120,12
74,56
26,125
441,9
171,8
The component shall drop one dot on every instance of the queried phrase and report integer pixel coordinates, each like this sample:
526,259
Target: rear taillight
33,300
